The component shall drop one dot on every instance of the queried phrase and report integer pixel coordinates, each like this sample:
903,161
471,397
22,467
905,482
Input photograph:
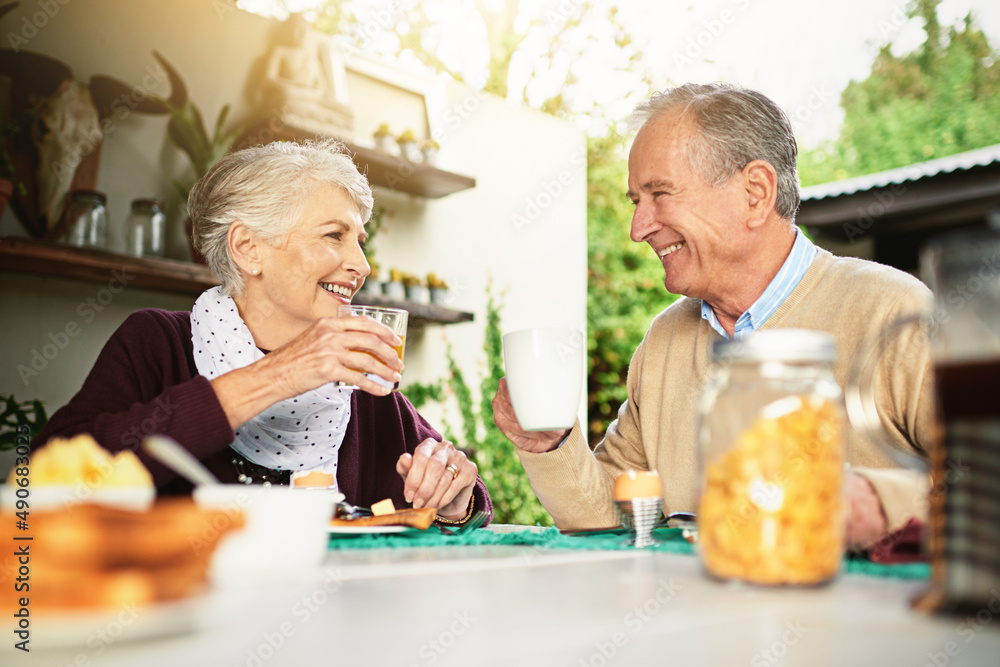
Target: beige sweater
656,427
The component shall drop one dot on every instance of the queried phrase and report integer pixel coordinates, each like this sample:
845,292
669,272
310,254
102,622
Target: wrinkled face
695,229
66,128
319,265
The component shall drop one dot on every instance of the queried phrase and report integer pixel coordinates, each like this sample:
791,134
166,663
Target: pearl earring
255,272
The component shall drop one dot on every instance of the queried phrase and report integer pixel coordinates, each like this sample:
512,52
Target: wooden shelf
420,313
382,169
21,255
418,179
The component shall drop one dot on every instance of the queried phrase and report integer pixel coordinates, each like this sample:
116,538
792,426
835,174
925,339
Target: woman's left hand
438,475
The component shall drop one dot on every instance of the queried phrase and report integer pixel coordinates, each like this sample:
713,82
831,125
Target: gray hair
735,126
264,187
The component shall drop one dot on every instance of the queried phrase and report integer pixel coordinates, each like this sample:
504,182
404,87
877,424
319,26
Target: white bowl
285,531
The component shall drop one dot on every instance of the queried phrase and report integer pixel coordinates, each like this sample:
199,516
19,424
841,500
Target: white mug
545,376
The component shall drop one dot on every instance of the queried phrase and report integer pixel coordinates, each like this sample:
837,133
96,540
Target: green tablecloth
668,540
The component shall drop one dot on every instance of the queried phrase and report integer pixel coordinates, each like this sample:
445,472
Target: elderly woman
245,381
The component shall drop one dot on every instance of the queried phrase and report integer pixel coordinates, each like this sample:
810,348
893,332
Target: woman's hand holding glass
337,349
394,318
331,349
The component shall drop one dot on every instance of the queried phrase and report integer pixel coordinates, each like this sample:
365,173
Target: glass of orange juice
394,318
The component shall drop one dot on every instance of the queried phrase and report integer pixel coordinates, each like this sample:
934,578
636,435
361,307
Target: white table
510,605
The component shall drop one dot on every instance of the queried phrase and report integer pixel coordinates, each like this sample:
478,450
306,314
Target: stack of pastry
81,554
92,556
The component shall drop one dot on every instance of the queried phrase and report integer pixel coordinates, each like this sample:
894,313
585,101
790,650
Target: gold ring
453,469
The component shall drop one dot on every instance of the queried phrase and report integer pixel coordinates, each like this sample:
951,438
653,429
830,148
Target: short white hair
264,187
735,126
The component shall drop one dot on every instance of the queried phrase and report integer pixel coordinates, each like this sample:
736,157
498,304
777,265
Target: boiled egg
638,484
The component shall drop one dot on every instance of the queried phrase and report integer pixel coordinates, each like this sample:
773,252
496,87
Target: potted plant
409,147
416,291
438,289
430,149
187,132
394,289
20,423
384,141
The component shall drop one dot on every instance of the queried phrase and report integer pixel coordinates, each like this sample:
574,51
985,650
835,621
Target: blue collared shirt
788,278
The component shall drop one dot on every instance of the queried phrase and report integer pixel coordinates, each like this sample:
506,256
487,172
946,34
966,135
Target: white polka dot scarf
297,434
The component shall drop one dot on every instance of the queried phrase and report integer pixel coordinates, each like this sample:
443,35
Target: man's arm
905,396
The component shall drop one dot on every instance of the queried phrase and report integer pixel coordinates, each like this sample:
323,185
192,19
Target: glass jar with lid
87,219
772,457
145,228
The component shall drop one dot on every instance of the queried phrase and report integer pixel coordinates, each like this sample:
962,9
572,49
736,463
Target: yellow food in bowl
771,510
62,462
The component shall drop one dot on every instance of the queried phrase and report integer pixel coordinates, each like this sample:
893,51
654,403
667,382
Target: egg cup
639,516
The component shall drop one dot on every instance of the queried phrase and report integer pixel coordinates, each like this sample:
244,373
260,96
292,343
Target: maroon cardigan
145,381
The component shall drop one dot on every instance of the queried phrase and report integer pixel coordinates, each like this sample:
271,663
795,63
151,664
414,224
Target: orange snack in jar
771,509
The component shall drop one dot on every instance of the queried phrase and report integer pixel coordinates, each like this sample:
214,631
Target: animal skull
66,128
67,132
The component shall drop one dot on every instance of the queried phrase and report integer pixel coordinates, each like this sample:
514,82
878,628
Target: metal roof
980,157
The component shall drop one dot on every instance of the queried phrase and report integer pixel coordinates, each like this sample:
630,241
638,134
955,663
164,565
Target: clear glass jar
145,228
87,219
772,460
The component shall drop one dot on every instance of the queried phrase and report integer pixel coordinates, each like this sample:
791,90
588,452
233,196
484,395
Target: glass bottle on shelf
144,228
87,219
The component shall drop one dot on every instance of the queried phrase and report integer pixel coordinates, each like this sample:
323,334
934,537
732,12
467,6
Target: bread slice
417,518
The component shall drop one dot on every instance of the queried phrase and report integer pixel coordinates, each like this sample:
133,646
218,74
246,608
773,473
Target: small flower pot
439,295
411,151
387,144
394,290
418,294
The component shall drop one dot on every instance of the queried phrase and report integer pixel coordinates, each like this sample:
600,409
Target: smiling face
697,230
319,266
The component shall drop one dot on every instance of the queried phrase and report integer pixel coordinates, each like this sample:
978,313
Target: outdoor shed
889,215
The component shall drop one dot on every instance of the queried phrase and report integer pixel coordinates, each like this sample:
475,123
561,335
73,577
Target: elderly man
712,177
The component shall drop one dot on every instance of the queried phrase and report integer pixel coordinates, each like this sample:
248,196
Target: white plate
101,627
371,530
137,499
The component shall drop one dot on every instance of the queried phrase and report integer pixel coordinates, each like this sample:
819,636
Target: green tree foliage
940,99
625,282
560,44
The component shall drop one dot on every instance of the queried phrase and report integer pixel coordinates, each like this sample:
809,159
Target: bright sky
800,53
